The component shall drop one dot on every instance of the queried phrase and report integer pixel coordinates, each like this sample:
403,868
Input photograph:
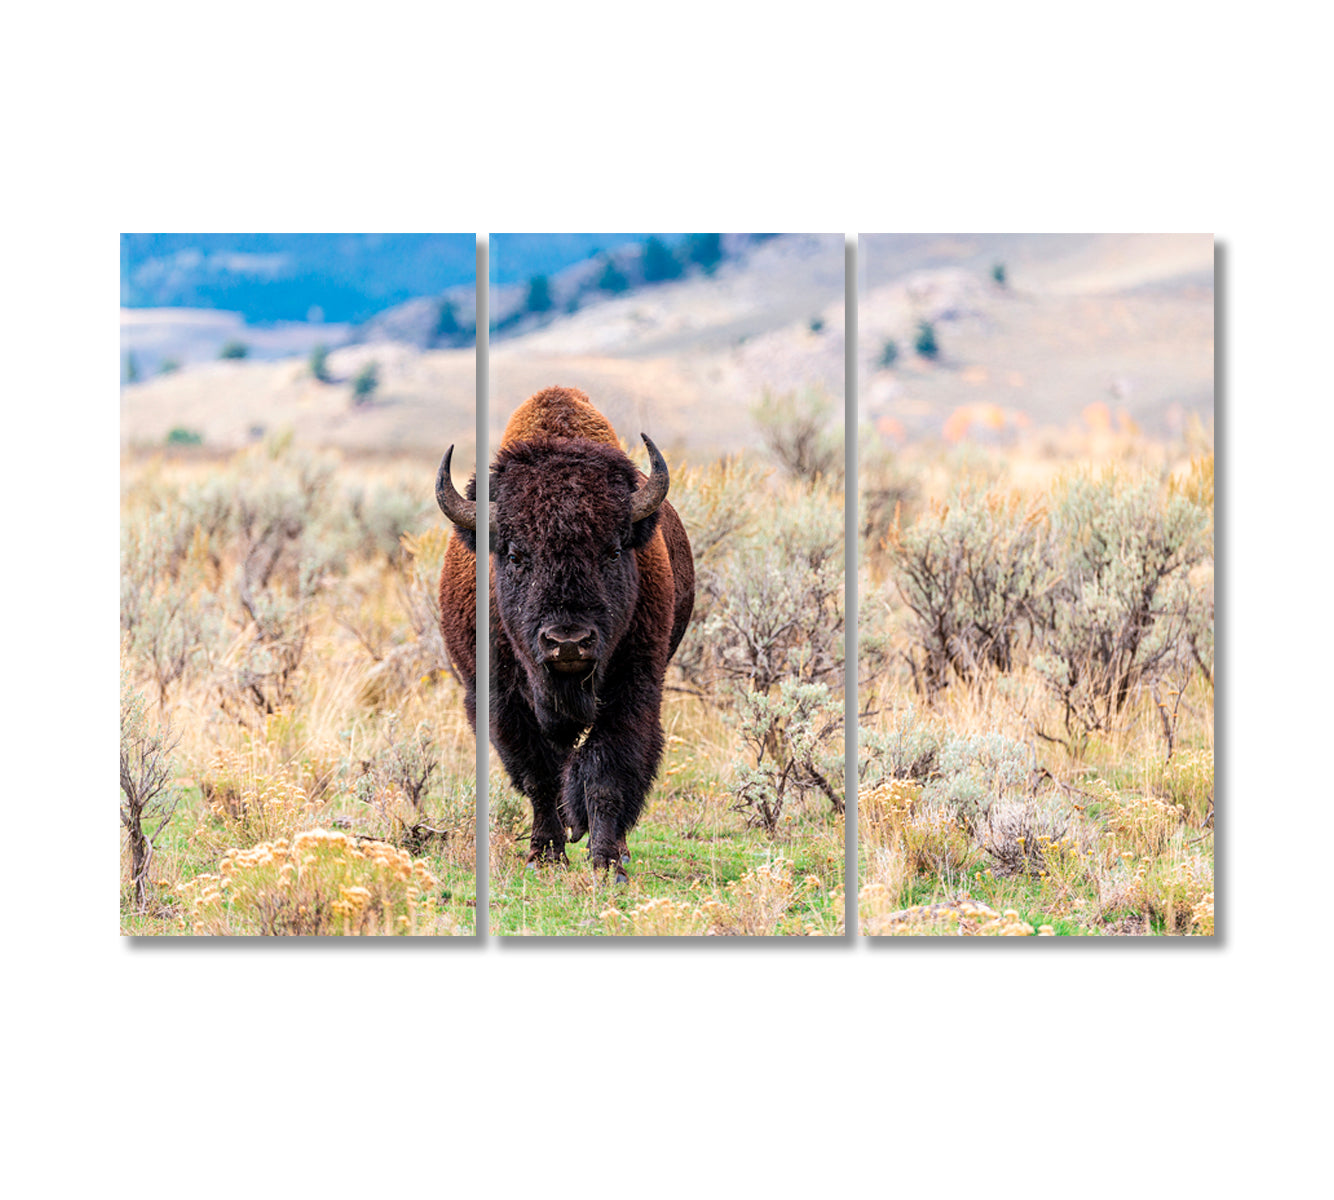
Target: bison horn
653,491
462,512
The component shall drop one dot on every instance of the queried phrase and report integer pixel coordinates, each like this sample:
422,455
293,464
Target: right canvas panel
1036,519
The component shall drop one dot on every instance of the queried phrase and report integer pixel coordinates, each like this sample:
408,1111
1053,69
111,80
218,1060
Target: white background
820,1070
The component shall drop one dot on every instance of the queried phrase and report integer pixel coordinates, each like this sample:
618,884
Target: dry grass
267,764
1103,833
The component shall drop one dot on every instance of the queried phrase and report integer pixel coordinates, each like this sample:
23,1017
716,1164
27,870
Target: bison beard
592,585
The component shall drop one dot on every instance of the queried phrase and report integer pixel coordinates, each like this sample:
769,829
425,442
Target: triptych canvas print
813,610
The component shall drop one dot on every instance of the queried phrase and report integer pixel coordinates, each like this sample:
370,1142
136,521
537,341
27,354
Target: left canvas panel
295,751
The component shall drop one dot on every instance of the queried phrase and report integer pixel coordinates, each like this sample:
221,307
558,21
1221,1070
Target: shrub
794,738
998,274
884,491
146,796
921,838
705,250
378,518
815,324
889,353
974,771
319,363
252,546
365,383
974,574
169,366
446,322
925,343
249,802
1177,890
796,430
178,435
291,532
773,606
131,368
318,884
1125,611
423,652
395,781
1202,915
612,278
902,749
1144,825
234,349
1187,780
660,264
539,295
1020,833
168,617
509,811
720,505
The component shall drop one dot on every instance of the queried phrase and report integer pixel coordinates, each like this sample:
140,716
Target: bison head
566,519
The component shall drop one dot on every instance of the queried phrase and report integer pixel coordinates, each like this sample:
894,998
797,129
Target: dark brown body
587,607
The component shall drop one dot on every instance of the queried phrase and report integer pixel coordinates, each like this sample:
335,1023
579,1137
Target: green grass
691,851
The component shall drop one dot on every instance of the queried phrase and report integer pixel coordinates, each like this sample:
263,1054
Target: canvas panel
1036,522
703,796
295,755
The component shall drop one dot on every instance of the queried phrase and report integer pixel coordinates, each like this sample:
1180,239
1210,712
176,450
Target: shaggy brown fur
558,412
565,412
583,747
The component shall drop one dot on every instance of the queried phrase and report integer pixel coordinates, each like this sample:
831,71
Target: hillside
1122,321
424,402
686,360
1085,327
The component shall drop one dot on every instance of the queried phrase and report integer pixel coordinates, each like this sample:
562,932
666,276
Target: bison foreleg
547,844
609,778
573,813
535,767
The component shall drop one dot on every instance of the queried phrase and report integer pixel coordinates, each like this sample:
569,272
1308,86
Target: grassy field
1036,748
696,866
298,757
298,752
743,833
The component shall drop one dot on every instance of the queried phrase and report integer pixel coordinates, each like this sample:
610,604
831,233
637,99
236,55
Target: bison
592,586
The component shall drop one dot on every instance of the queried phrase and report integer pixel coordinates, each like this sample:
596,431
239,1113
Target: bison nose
567,643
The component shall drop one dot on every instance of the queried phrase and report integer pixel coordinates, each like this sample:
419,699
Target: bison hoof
605,862
548,855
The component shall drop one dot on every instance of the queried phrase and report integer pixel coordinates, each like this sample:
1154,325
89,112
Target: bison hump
558,412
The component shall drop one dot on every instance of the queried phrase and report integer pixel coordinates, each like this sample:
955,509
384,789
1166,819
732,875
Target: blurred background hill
960,336
979,335
678,336
226,338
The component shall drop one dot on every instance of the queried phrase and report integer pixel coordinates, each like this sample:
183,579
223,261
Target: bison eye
515,558
615,554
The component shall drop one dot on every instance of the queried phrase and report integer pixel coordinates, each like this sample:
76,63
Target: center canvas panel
667,584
